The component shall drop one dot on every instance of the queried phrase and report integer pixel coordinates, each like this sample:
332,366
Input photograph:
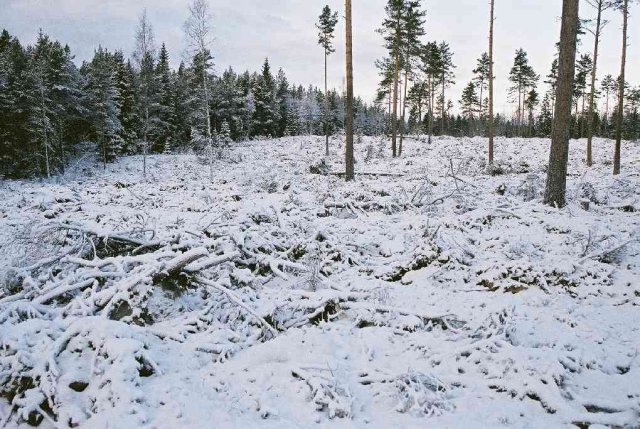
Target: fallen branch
597,255
443,320
178,263
210,262
237,301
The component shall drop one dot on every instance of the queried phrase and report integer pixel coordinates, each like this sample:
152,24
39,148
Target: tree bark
490,125
623,63
557,173
349,173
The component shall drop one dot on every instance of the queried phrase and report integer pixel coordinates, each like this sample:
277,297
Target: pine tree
446,78
413,23
326,27
552,81
349,170
623,5
601,6
523,79
401,29
491,119
584,66
432,65
469,101
608,87
531,103
481,79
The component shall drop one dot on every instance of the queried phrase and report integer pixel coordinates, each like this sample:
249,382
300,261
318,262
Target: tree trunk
205,93
44,132
592,95
146,142
443,106
558,158
623,63
404,109
432,98
519,132
490,125
326,106
349,104
394,115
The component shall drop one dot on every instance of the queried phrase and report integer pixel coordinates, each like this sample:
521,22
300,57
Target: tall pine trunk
592,95
146,141
444,83
205,96
623,63
404,109
557,173
432,99
394,115
349,173
326,106
490,125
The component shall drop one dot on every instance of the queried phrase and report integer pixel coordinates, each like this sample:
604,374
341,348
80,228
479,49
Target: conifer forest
369,227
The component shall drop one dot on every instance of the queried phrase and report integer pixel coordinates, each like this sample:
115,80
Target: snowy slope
435,295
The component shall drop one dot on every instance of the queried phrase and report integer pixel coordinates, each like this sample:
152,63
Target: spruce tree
264,118
144,56
163,121
101,96
282,102
126,99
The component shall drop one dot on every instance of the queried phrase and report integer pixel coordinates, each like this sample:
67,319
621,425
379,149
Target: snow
438,295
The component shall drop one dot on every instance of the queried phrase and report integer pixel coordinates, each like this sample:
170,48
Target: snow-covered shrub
423,394
328,393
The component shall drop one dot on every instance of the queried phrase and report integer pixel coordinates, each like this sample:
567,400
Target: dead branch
237,301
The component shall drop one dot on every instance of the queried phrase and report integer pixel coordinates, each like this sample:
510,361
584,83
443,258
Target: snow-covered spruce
276,295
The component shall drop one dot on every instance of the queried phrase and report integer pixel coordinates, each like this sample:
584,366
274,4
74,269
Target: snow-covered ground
435,296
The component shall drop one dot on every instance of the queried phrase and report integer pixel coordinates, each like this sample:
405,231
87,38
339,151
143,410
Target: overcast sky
247,31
